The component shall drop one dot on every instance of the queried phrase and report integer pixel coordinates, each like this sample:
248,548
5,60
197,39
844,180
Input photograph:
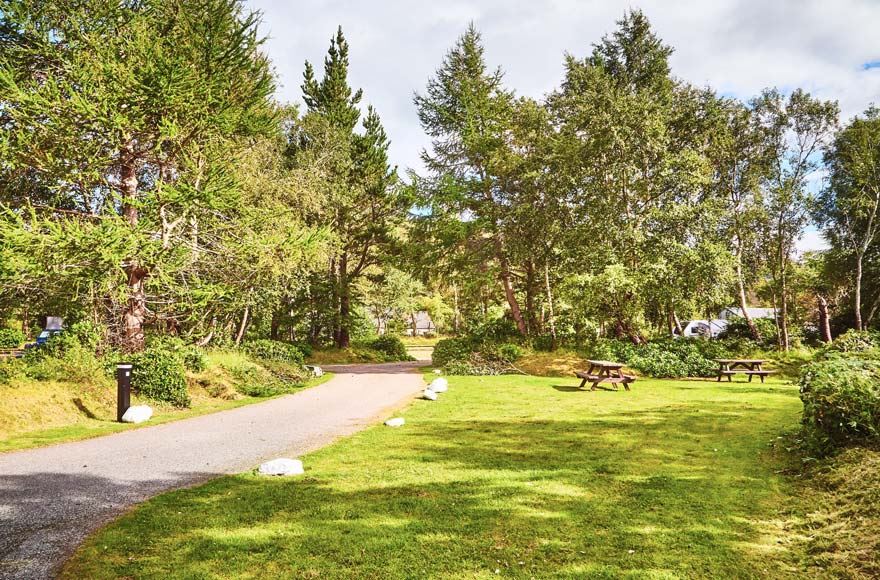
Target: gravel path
52,498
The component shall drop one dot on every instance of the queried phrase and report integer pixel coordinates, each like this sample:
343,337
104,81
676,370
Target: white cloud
735,46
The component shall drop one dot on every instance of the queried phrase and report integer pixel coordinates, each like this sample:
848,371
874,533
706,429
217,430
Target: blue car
43,338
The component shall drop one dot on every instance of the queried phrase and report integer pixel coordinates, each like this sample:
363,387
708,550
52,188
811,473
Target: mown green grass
87,427
502,477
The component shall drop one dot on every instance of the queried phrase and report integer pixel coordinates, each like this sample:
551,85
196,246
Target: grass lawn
504,476
88,413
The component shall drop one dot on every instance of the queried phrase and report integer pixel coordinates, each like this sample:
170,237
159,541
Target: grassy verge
508,476
39,413
421,340
839,537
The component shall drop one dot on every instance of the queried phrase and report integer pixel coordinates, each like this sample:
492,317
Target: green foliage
11,369
192,357
509,352
11,338
390,346
474,356
854,342
449,350
255,380
194,360
273,350
666,358
68,356
841,402
159,374
738,328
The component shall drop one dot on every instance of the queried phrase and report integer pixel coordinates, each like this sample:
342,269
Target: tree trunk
857,307
783,314
872,312
135,312
551,317
343,337
456,318
506,281
243,326
532,323
824,320
743,304
677,323
274,326
775,302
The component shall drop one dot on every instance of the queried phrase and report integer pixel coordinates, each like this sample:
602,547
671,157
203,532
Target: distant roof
753,312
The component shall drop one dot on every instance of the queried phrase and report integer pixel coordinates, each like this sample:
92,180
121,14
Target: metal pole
123,389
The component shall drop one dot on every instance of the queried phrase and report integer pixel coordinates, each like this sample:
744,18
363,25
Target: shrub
451,349
159,374
10,370
273,350
841,401
509,353
660,364
255,381
68,356
469,356
11,338
305,348
854,342
612,349
666,358
390,346
192,357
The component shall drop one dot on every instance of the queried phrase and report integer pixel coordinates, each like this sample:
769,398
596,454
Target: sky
737,47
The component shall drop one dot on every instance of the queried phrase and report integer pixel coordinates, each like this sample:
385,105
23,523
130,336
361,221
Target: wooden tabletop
606,363
741,360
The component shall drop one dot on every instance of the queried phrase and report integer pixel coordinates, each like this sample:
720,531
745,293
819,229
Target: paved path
52,498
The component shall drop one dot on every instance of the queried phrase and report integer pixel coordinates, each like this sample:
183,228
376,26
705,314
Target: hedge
841,399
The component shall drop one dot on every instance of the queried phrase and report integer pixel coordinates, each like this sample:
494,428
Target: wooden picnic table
603,371
11,353
747,366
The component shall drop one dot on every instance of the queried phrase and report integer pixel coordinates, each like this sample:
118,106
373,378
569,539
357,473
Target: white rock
137,414
316,370
395,422
440,385
429,395
282,466
438,372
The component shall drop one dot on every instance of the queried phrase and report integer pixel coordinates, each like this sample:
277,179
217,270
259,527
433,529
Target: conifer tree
120,108
363,202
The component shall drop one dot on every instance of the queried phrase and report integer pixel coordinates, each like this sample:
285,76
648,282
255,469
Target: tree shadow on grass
643,492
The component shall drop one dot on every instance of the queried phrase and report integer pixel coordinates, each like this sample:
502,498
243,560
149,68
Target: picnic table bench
727,367
603,371
11,353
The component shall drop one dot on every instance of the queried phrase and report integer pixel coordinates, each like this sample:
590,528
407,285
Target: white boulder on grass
438,372
282,466
137,414
440,385
395,422
429,395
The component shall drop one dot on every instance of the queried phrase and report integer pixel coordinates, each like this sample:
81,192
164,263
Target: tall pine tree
364,202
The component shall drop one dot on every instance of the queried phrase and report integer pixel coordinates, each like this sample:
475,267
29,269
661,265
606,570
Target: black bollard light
123,389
